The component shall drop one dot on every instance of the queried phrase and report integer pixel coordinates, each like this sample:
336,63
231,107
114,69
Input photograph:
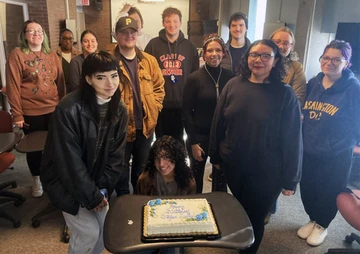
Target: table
8,140
121,236
32,142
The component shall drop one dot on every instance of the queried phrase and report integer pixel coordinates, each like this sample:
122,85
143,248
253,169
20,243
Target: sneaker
317,236
210,177
267,219
306,230
37,189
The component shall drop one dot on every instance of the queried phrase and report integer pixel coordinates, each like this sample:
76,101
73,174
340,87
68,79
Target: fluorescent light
150,1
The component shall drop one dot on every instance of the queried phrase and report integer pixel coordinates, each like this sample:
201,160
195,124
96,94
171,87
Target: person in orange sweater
34,85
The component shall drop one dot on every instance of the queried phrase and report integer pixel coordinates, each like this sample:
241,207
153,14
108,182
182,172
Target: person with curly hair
166,171
256,135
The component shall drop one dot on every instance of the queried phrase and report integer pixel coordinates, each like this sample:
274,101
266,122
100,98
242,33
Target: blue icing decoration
151,203
204,215
199,217
158,201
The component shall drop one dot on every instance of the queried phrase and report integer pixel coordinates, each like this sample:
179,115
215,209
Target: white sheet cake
164,217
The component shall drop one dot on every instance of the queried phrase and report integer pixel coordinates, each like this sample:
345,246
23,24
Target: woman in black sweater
256,134
200,96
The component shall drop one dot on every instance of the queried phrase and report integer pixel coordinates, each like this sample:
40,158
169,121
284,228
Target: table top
8,140
32,142
120,236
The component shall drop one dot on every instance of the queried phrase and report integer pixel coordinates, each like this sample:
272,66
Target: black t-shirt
131,66
236,55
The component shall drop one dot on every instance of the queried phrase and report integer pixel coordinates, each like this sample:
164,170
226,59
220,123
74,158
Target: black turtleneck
199,100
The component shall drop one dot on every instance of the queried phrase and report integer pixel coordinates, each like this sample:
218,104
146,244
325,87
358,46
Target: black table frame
120,236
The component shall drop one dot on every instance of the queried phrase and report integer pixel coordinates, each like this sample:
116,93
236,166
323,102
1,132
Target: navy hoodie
332,116
179,58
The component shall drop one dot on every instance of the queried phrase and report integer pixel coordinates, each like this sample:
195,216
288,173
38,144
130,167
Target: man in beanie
238,43
143,94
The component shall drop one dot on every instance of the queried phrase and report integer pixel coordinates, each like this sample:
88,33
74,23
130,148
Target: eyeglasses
263,57
31,31
286,44
67,38
335,61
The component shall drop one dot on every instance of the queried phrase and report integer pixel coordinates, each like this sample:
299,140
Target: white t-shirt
66,56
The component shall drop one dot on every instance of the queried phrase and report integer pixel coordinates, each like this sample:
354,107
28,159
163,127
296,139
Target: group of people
248,108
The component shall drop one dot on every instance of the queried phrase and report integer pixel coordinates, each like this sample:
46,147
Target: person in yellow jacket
143,93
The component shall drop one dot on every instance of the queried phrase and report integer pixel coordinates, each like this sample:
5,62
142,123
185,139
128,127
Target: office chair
6,159
33,142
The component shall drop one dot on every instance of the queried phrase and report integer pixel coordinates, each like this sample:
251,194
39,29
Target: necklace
215,82
38,58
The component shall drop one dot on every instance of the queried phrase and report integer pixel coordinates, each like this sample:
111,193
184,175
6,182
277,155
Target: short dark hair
176,152
170,11
133,10
62,31
96,62
343,46
237,16
276,74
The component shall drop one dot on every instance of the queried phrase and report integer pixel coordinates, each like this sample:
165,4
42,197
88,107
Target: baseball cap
126,22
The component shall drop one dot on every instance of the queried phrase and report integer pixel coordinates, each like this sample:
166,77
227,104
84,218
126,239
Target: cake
166,217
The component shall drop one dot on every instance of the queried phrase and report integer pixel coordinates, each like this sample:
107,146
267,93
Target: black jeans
139,150
198,167
36,123
323,178
170,123
256,195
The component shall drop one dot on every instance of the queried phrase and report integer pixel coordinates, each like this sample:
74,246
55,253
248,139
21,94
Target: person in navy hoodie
330,130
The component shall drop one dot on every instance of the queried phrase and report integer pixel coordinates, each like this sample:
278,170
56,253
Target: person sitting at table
165,170
84,151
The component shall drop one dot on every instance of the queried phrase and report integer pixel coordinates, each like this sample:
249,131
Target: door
12,16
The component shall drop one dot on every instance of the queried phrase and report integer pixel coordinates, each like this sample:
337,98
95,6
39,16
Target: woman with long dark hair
256,134
84,151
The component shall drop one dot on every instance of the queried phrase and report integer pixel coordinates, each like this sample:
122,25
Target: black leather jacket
70,173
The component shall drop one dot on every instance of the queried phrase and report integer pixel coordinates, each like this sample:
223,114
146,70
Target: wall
279,12
339,11
57,16
228,7
51,18
14,23
99,22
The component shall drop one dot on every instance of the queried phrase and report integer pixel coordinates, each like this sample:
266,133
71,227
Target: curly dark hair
276,74
175,151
